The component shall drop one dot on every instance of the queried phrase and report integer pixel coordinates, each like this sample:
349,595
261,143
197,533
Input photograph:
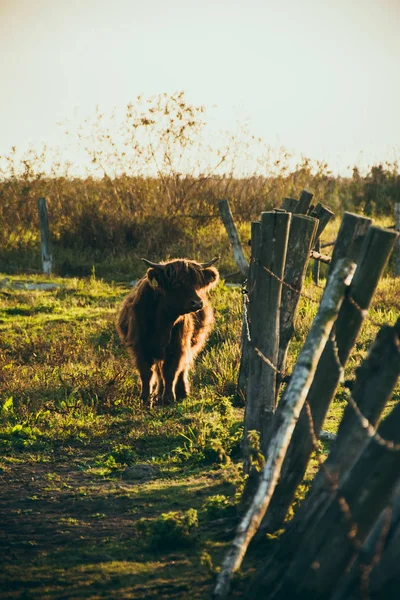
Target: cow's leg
170,375
157,383
182,388
175,362
174,375
146,373
154,383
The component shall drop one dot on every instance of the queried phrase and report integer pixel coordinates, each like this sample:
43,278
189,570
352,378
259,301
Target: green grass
72,426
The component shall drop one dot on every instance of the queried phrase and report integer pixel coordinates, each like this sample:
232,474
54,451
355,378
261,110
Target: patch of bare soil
67,534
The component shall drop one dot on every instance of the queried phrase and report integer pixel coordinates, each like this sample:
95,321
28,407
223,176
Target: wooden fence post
324,215
246,349
375,381
304,203
292,401
397,227
290,204
315,271
326,548
265,298
301,236
47,260
384,580
227,218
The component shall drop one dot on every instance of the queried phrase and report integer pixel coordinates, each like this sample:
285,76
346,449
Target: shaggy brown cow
165,321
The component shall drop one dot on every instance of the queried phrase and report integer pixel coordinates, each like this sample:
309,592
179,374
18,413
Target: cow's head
183,283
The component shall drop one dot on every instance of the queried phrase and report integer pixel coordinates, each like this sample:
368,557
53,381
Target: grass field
100,497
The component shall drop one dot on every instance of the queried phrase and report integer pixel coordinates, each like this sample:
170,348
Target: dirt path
64,534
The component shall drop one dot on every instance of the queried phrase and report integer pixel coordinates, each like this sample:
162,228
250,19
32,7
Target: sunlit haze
319,78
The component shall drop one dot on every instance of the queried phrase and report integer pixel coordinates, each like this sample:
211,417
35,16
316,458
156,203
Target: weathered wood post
227,218
304,203
265,298
327,547
290,204
375,381
301,236
383,581
397,227
315,271
47,259
324,215
292,401
246,348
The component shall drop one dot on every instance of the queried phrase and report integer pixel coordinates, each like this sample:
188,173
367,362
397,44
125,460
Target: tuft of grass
172,530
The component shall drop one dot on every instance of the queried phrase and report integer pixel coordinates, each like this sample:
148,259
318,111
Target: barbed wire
364,312
286,284
256,349
370,430
365,424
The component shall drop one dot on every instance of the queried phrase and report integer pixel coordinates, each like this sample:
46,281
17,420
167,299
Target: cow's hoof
168,400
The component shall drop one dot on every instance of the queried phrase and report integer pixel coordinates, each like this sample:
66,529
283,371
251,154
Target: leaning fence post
47,260
304,202
324,215
292,400
397,227
374,383
301,236
265,298
230,227
375,380
327,547
382,542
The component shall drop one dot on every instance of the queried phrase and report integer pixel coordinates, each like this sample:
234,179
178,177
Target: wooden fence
343,505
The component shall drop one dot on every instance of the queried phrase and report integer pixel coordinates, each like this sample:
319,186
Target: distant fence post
397,227
324,215
230,227
47,260
290,204
304,203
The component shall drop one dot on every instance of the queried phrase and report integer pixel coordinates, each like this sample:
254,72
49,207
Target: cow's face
183,285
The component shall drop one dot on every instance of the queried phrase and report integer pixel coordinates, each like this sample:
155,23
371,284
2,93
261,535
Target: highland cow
164,323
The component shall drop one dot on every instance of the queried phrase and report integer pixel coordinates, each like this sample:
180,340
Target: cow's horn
209,263
153,264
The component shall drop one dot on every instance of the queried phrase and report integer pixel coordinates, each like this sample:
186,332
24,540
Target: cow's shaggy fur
164,323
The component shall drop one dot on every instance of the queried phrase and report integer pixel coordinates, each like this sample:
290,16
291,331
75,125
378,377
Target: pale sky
318,77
